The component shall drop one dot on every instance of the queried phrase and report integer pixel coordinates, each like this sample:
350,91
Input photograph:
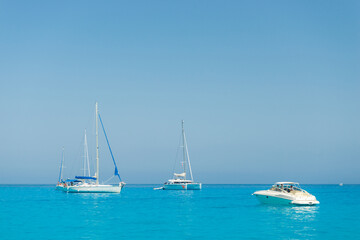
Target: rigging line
177,154
187,154
112,156
61,165
109,179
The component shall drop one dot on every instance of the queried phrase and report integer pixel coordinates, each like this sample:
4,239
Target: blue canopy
85,177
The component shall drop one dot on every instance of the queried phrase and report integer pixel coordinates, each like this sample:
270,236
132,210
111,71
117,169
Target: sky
269,90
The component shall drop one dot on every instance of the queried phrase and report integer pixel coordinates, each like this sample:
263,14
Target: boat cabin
179,178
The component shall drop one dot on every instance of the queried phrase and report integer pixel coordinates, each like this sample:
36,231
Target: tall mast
184,148
97,143
84,167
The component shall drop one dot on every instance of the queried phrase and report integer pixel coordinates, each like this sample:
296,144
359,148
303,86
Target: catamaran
179,181
90,184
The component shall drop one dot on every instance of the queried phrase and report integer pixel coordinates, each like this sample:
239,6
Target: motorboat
286,193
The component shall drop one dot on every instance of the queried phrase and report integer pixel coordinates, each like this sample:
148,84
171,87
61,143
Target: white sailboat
179,181
86,183
60,183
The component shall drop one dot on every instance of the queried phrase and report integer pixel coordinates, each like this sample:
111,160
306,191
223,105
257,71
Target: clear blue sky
269,90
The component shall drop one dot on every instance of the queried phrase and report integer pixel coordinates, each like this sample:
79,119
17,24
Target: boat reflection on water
292,212
297,222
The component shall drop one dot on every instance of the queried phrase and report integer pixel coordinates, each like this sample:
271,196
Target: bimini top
177,175
85,177
72,180
279,183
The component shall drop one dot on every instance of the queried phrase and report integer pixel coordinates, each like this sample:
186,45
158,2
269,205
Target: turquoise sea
139,212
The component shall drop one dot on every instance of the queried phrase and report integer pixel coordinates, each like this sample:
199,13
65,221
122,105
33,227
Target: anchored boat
179,181
61,182
87,183
286,193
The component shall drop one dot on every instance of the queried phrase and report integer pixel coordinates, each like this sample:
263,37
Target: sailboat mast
97,143
184,149
84,167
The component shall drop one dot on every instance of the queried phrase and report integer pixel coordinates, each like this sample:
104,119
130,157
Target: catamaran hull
175,187
94,189
194,186
188,186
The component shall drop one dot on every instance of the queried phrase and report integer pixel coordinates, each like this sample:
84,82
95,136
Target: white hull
272,200
275,197
88,188
184,186
175,187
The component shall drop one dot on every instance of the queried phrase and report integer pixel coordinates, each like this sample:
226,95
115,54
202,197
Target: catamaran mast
184,150
97,143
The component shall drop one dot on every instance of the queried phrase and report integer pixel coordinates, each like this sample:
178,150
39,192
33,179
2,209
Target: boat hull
185,186
94,189
194,186
175,187
305,203
273,197
272,200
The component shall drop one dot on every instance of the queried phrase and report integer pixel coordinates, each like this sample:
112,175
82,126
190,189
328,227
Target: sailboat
179,181
90,184
61,182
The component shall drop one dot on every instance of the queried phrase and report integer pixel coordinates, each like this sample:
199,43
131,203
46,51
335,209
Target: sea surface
139,212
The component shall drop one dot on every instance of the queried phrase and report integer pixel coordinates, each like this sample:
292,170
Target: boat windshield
286,187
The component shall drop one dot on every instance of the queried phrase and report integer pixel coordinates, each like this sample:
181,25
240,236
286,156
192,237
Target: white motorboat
286,193
179,181
87,183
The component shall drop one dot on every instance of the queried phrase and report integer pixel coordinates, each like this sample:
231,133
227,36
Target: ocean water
139,212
